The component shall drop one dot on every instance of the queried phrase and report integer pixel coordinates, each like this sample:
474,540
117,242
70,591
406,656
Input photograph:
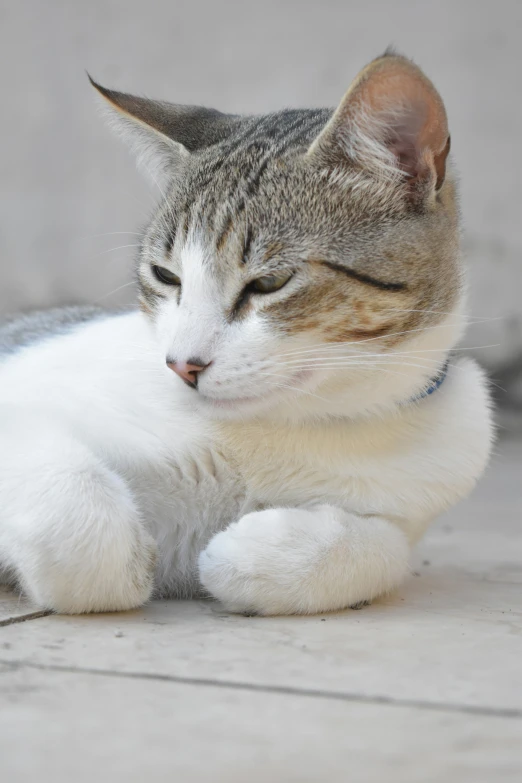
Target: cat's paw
113,576
297,561
247,565
72,533
272,562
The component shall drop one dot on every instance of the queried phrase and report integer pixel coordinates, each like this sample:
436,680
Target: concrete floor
422,687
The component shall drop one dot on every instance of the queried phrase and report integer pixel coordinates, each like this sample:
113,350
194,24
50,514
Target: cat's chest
228,469
295,466
216,477
195,487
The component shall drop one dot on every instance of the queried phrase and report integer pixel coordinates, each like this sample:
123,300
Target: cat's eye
165,276
270,283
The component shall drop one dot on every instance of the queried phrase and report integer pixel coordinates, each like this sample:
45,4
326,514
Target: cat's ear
391,122
163,134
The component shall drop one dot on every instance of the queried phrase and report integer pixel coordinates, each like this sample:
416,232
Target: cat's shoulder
18,331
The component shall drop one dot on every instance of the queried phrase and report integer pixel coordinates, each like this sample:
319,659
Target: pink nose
187,371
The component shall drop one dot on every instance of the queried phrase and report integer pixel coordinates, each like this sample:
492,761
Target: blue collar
434,384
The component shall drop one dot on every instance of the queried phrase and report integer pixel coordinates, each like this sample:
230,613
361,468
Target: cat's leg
70,532
297,561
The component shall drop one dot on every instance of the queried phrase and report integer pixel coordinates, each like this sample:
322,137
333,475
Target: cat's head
303,262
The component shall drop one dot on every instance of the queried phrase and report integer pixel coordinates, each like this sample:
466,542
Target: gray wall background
66,184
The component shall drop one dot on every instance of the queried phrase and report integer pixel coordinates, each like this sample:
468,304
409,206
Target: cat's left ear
161,134
392,123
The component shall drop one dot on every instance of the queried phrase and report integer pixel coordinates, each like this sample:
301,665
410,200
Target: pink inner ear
407,157
391,119
403,137
407,108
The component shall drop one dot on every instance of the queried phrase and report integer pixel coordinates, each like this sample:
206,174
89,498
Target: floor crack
23,617
468,709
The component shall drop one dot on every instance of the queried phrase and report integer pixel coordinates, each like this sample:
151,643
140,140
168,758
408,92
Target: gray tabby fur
18,331
296,189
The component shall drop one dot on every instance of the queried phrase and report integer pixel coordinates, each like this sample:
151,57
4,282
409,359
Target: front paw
302,561
270,562
107,577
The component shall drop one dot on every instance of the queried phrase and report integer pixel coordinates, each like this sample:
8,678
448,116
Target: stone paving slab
422,646
423,686
79,727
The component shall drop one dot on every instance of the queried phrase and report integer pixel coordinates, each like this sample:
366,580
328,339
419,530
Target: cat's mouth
231,403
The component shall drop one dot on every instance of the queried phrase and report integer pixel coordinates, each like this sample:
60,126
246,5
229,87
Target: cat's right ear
162,135
393,124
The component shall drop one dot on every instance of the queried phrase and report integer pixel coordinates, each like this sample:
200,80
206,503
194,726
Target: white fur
115,475
288,560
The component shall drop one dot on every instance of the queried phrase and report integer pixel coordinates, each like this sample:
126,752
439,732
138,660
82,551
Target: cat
284,414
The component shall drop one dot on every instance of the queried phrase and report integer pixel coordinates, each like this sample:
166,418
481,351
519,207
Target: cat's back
17,332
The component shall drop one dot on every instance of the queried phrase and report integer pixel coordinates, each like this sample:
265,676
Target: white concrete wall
64,180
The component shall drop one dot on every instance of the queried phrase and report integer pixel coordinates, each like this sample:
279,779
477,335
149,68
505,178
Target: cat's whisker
371,339
364,355
112,249
333,357
294,388
365,365
351,360
371,367
108,234
368,365
375,364
451,350
442,312
361,355
125,285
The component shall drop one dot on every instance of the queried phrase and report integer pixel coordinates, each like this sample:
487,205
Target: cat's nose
188,371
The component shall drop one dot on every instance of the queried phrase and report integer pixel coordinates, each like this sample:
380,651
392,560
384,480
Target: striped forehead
195,258
204,274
